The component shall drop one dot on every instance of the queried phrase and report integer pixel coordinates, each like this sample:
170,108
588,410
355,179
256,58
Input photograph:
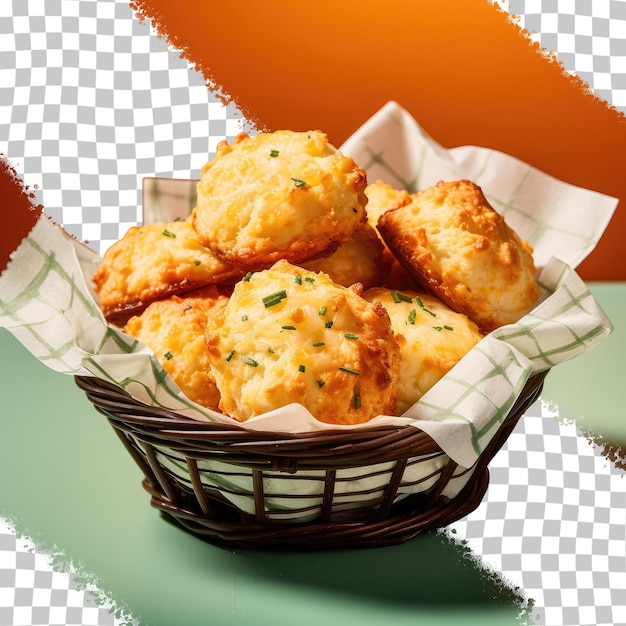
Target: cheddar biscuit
154,261
432,339
359,260
458,247
383,197
289,335
282,195
174,328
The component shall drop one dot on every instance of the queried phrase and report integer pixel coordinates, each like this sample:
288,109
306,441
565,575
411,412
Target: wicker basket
193,472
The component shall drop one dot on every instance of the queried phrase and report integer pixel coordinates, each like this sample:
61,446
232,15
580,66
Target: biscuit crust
174,329
289,335
281,195
458,247
155,261
383,197
358,260
432,339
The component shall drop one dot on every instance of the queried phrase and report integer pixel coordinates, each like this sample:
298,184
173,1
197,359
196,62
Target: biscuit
458,247
282,195
288,335
154,261
432,339
174,329
383,197
358,260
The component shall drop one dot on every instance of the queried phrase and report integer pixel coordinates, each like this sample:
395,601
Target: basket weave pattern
369,486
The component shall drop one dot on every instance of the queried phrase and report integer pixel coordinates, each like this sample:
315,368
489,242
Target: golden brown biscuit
458,247
174,329
432,339
383,197
358,260
290,335
281,195
154,261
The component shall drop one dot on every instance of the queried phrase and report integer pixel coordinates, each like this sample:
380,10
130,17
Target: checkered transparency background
92,101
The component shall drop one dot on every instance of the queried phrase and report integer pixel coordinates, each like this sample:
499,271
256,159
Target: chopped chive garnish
319,344
328,324
322,310
349,370
178,219
299,182
168,355
438,327
167,233
357,402
230,355
320,383
350,336
448,327
421,305
309,279
301,368
270,350
411,317
274,298
288,327
298,279
247,277
400,297
244,318
274,153
198,263
252,362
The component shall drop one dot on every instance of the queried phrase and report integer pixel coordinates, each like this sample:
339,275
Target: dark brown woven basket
194,473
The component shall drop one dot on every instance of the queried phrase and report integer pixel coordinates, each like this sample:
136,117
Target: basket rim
118,405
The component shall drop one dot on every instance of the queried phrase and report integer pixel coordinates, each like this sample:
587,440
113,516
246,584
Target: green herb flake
328,324
349,370
288,327
319,344
357,402
400,297
322,310
448,327
309,279
230,355
423,307
252,362
320,383
301,368
274,153
438,328
244,318
411,317
198,263
271,350
168,355
298,279
167,233
298,182
351,336
247,277
274,298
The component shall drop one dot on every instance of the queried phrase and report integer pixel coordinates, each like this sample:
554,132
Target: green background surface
66,482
